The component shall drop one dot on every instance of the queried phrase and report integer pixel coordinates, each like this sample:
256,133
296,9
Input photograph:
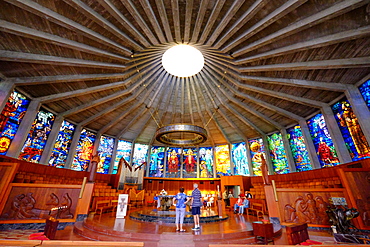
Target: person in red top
238,203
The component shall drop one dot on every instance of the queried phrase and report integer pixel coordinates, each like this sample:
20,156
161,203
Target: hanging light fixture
162,134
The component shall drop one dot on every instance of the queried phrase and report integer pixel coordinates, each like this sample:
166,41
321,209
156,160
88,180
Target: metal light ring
161,134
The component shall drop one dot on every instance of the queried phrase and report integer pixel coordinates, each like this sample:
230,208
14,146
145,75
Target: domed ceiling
268,64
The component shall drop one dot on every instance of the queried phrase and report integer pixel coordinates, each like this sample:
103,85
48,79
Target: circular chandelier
162,134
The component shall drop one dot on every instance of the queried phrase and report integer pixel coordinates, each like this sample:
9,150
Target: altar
164,202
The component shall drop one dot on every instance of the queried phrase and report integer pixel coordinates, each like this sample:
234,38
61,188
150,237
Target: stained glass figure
62,144
351,130
240,159
10,118
105,152
256,148
189,163
206,162
277,153
322,140
299,150
123,150
84,151
157,158
173,162
365,92
36,139
222,154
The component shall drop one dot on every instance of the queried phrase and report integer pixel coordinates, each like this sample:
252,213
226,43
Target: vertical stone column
268,157
23,130
309,145
231,159
51,141
249,157
114,155
72,149
6,88
288,151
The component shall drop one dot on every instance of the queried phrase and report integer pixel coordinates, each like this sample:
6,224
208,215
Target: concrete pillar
231,160
309,145
288,151
249,157
114,155
268,155
336,135
6,88
23,130
49,146
72,149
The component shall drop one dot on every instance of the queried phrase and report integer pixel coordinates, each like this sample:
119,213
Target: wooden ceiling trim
54,39
100,20
176,20
231,123
268,20
199,20
330,86
153,20
225,20
323,64
182,103
140,21
53,60
211,21
188,20
248,15
310,44
190,105
163,15
40,10
132,121
329,13
175,99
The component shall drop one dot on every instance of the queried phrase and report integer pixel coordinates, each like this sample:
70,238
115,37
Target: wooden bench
103,206
257,208
297,233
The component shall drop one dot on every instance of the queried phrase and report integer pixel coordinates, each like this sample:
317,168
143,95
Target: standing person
196,197
181,199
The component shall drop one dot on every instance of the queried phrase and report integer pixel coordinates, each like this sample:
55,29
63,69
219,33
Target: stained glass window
10,118
189,164
351,130
298,147
157,159
277,153
123,150
206,162
173,162
105,152
365,91
256,148
84,151
322,140
222,154
36,139
140,155
240,159
62,144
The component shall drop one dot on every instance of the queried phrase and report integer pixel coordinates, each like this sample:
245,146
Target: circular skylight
183,61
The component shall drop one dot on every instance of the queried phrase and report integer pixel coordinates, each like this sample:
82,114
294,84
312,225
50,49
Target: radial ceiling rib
331,86
53,60
54,39
176,20
153,19
198,22
329,13
163,15
248,15
188,16
182,99
323,64
139,20
233,125
211,21
225,20
97,18
132,121
190,105
310,44
268,20
39,10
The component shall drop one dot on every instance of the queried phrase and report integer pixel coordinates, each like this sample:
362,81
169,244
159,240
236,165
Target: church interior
108,108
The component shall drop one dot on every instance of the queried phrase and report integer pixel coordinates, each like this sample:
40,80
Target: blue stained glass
62,144
351,130
277,153
84,151
157,158
365,92
173,162
299,150
189,164
36,139
222,154
240,159
140,156
123,150
105,152
206,162
256,148
10,118
322,140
